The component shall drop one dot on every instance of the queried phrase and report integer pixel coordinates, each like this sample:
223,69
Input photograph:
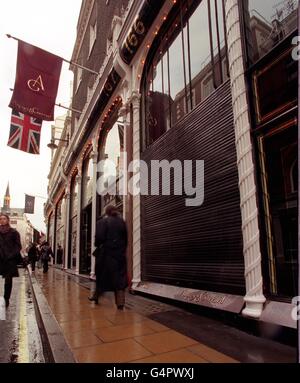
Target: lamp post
52,145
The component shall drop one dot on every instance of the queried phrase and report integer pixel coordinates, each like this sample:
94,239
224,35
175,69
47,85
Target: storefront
51,231
186,99
86,215
60,229
180,86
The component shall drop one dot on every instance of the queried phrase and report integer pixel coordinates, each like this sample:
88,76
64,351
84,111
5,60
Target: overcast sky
50,25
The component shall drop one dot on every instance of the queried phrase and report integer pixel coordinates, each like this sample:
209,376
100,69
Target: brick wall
103,12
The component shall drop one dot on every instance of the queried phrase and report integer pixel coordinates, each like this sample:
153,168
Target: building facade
20,222
187,81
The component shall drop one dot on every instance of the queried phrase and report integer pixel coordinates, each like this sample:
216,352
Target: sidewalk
103,334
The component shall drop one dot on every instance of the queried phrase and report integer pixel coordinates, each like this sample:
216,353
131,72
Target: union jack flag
25,133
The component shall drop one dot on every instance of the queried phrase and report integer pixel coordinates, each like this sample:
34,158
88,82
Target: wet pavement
19,331
103,334
147,330
51,320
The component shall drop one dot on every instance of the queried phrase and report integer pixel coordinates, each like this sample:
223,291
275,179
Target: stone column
249,209
94,157
67,225
79,181
136,200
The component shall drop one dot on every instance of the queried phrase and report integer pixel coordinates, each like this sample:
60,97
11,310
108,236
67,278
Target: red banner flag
25,132
36,83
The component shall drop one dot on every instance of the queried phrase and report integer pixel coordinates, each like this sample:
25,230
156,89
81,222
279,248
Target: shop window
268,23
113,167
87,184
184,66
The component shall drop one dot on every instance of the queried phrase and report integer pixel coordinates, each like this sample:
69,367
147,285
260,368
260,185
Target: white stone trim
67,223
79,182
252,256
94,206
136,235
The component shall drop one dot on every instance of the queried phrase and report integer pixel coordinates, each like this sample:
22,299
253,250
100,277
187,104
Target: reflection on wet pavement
19,333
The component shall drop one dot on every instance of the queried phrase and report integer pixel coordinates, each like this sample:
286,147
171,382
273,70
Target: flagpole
60,106
71,109
36,196
67,61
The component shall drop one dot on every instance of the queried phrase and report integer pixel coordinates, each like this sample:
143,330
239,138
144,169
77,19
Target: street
19,332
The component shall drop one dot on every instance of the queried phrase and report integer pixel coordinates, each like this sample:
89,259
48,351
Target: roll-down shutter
197,247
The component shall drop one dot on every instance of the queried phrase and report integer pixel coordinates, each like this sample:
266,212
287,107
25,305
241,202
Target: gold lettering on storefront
36,85
132,40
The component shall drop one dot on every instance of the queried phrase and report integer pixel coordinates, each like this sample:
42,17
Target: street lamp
52,145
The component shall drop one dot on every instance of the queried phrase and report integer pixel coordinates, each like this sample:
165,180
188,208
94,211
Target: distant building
20,222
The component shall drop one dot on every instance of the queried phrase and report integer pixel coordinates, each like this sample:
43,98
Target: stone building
188,81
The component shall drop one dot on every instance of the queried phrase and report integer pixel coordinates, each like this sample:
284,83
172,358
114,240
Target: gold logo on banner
36,85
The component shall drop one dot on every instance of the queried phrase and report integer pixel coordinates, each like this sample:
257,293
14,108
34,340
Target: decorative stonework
94,156
252,256
135,100
219,301
83,22
79,181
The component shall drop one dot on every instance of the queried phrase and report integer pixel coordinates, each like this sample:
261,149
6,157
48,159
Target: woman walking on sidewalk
111,262
10,247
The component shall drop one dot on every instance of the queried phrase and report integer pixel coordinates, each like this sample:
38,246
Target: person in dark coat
46,253
111,262
10,247
32,255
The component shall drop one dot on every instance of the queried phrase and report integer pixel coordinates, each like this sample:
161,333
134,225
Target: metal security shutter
197,247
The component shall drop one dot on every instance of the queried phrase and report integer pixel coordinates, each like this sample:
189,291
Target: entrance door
86,233
279,172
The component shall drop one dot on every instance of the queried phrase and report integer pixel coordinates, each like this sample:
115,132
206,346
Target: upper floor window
93,35
268,23
78,77
187,63
76,123
89,91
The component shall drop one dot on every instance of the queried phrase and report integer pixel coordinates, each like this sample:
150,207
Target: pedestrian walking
110,253
46,254
32,255
10,247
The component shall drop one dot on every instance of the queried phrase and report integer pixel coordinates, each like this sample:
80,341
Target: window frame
182,11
